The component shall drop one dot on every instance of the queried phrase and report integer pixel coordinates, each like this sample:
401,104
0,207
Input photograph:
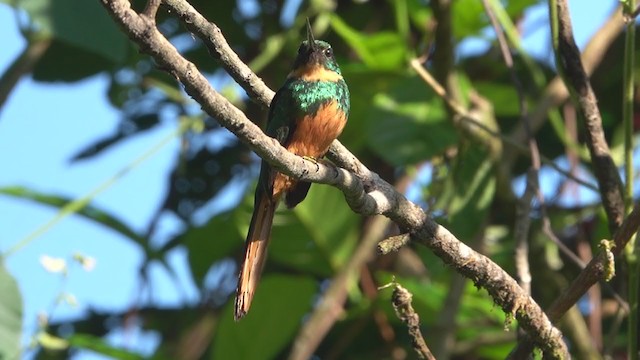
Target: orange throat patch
315,73
312,137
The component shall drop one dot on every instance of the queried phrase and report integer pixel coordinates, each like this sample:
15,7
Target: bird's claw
313,160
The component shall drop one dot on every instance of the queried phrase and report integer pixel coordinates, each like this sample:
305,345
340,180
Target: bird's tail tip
242,307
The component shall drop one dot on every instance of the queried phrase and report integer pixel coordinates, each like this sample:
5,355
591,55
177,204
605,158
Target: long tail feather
255,253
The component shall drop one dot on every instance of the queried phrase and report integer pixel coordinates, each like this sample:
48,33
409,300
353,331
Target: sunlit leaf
469,17
408,125
382,50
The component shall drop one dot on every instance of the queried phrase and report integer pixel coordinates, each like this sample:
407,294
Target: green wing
281,121
280,126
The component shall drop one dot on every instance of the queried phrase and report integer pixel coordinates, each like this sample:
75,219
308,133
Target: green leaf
80,23
366,83
10,315
99,345
500,93
316,237
516,8
51,342
277,312
67,62
407,124
90,212
470,18
401,11
333,226
383,50
421,16
292,245
469,193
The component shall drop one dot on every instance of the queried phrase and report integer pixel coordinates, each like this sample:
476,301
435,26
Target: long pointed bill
310,38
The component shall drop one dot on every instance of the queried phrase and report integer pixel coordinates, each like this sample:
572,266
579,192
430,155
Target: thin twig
465,116
151,9
401,300
523,208
598,269
521,231
556,93
632,251
22,65
393,243
575,77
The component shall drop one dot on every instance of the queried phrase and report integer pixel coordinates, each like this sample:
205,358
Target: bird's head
315,60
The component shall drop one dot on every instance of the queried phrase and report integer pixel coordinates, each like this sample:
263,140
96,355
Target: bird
306,115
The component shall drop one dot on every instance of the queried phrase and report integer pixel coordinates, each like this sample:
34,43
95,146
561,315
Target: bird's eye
328,52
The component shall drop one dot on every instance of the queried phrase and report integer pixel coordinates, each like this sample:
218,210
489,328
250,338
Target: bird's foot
313,160
310,158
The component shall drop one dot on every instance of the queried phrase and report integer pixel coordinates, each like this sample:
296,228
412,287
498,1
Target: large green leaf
67,62
80,23
364,84
10,315
384,50
84,39
331,223
277,312
407,124
469,18
500,93
318,236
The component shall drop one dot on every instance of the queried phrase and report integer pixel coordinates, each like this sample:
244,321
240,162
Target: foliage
399,127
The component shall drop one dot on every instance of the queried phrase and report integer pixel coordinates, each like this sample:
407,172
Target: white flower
53,265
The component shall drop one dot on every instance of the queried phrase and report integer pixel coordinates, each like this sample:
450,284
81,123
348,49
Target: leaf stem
80,203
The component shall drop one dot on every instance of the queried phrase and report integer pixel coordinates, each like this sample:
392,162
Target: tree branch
22,65
401,300
599,268
212,37
573,72
365,192
556,92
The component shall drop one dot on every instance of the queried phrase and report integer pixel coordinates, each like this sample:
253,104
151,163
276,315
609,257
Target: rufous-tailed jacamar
305,116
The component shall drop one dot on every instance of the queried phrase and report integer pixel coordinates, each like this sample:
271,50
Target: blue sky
77,114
